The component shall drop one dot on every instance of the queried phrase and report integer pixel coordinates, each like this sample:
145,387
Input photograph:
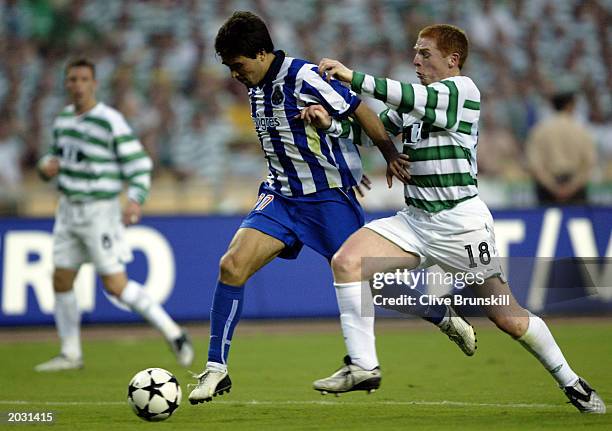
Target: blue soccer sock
224,316
433,313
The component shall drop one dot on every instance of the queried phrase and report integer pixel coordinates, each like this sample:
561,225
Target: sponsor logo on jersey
263,124
412,134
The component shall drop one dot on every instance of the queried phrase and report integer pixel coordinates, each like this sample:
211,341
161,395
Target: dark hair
244,33
560,101
449,39
81,62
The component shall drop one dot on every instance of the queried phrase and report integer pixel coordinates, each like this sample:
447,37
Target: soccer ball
154,394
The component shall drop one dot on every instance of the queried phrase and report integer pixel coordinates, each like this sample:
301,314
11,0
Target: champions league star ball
154,394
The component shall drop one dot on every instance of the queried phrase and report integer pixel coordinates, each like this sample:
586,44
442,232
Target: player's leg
134,296
365,253
351,280
266,232
318,229
69,253
533,334
107,247
385,245
361,367
67,322
249,250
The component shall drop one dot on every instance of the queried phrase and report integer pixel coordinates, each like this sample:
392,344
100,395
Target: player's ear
453,60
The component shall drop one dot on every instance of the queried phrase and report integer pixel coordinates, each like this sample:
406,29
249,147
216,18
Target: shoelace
200,378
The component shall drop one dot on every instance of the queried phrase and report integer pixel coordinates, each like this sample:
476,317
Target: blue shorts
321,220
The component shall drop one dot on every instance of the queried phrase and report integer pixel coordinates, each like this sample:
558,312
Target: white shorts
90,232
460,239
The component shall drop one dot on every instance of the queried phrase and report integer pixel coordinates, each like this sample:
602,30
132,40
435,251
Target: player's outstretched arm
397,164
443,104
440,103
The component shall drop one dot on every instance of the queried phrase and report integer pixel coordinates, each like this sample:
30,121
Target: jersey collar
279,57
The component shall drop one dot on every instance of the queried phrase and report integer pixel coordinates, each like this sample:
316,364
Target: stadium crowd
156,64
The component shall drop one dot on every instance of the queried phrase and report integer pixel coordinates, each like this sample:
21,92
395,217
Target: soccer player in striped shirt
308,198
93,152
444,222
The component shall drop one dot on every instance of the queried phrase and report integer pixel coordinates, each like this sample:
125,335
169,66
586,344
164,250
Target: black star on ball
172,406
145,413
153,389
131,390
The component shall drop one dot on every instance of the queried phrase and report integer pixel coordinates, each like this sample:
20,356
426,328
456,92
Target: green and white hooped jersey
97,152
439,127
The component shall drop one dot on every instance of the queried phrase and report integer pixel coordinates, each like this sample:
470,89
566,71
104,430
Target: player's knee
62,282
231,271
115,288
346,266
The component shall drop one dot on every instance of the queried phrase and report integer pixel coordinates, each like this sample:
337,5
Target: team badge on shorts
107,242
278,97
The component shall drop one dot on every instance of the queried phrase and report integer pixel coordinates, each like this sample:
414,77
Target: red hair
449,39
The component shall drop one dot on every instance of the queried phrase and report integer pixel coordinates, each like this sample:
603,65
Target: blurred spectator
561,155
201,150
156,62
10,167
499,154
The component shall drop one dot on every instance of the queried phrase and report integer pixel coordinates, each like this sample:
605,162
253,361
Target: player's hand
131,213
564,192
398,167
316,115
329,68
365,182
49,167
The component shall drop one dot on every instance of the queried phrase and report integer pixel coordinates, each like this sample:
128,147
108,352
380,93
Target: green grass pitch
428,384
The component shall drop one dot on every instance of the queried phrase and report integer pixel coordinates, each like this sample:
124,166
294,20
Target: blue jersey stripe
345,172
325,148
295,184
273,173
298,129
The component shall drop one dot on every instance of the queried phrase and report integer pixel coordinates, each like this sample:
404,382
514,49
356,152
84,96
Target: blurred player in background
93,151
444,222
308,197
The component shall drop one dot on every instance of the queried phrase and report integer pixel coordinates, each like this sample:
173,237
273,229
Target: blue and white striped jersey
301,159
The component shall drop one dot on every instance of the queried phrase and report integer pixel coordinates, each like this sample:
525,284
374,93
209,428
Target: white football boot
584,398
211,382
459,330
349,377
183,349
59,363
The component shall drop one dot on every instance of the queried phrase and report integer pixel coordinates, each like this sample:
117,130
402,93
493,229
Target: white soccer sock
135,297
68,323
540,343
215,366
358,330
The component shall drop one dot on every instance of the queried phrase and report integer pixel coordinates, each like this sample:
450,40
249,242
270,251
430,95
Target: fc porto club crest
278,97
